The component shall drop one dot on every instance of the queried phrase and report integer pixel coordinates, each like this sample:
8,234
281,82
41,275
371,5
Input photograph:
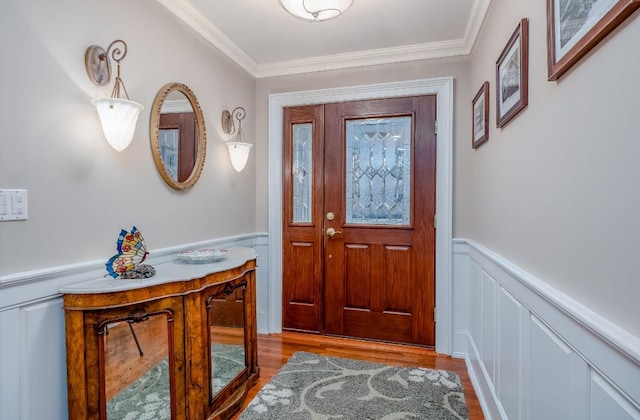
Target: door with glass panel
359,181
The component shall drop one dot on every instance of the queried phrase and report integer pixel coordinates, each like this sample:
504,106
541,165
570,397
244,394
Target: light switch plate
13,205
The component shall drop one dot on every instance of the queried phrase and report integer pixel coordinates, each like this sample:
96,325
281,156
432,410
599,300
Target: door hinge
435,127
434,314
435,221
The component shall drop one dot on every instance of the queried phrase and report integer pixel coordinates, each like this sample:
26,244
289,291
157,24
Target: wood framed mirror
178,135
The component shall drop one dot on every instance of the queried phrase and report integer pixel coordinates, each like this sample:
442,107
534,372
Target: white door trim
443,88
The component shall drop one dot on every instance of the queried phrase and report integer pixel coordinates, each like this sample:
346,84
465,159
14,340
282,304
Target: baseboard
525,343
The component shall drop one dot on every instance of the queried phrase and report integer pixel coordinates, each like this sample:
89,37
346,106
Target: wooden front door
359,204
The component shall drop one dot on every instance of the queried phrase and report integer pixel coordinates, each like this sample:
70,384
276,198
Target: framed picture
574,27
480,120
512,75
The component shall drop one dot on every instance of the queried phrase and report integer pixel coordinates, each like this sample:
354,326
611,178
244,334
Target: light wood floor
275,349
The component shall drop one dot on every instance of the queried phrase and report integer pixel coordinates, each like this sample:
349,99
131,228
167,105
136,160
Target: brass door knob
331,232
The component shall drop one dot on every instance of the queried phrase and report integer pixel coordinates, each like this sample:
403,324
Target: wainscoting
534,353
33,376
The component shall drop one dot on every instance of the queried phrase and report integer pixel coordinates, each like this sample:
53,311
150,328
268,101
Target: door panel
380,183
368,271
302,214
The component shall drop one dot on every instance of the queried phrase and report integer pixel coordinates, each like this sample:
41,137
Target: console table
179,345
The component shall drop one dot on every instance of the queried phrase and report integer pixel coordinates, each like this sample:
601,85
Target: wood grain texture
379,279
276,349
302,242
182,335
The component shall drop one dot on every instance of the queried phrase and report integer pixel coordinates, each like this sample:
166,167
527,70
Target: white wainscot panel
43,376
461,290
607,403
475,302
512,318
262,288
488,326
558,377
9,368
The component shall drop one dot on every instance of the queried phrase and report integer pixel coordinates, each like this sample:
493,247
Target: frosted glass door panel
302,172
378,178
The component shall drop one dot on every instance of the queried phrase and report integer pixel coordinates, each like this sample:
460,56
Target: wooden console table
179,345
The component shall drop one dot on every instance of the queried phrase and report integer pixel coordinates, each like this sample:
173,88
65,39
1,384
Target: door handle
331,232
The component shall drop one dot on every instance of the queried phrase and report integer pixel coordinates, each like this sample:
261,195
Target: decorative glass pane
302,172
378,160
168,139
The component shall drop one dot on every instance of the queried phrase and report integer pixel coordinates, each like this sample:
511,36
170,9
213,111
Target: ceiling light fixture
315,10
118,116
239,149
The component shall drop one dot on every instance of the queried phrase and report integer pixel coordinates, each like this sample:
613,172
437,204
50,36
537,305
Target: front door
359,204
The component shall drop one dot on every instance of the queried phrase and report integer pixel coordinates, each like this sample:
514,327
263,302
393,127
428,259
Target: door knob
331,232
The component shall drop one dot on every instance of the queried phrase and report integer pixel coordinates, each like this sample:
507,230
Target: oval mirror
178,135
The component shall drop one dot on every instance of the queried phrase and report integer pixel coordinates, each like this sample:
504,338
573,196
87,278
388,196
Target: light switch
13,205
16,204
4,205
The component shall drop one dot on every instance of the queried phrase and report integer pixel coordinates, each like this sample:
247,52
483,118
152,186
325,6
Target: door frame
443,89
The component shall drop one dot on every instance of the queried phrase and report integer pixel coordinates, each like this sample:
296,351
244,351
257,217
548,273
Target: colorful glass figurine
132,251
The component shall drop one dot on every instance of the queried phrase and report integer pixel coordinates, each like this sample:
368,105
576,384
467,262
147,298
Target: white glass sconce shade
315,10
118,118
239,153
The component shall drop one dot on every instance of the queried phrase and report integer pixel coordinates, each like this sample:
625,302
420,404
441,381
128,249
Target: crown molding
479,12
190,15
364,58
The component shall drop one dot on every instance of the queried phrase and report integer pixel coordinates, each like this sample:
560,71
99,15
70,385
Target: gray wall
81,191
556,190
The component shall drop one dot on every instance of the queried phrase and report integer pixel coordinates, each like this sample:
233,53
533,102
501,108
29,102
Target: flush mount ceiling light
239,149
315,10
117,115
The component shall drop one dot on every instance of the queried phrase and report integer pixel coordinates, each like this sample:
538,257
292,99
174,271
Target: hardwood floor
275,349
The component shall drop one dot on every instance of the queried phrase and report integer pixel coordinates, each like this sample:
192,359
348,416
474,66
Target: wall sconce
238,150
118,116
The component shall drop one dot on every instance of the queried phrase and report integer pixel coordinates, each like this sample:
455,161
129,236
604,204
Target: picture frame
580,27
512,75
480,117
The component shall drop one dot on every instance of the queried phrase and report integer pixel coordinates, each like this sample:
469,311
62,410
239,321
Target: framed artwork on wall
512,75
480,116
574,27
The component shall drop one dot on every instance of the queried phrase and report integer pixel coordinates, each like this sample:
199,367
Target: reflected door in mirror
178,144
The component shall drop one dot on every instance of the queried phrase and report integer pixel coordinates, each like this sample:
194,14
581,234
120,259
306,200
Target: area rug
314,387
148,398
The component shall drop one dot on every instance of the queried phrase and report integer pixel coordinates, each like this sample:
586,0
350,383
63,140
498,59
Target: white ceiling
266,41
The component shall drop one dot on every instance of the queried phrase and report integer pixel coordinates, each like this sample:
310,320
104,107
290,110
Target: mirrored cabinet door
136,357
226,331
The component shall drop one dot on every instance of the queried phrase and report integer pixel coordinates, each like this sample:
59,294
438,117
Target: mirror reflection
226,318
135,357
178,135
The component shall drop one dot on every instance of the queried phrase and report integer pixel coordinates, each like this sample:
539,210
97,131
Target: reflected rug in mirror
313,387
148,397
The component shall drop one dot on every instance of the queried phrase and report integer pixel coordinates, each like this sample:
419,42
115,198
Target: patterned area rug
314,387
148,398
